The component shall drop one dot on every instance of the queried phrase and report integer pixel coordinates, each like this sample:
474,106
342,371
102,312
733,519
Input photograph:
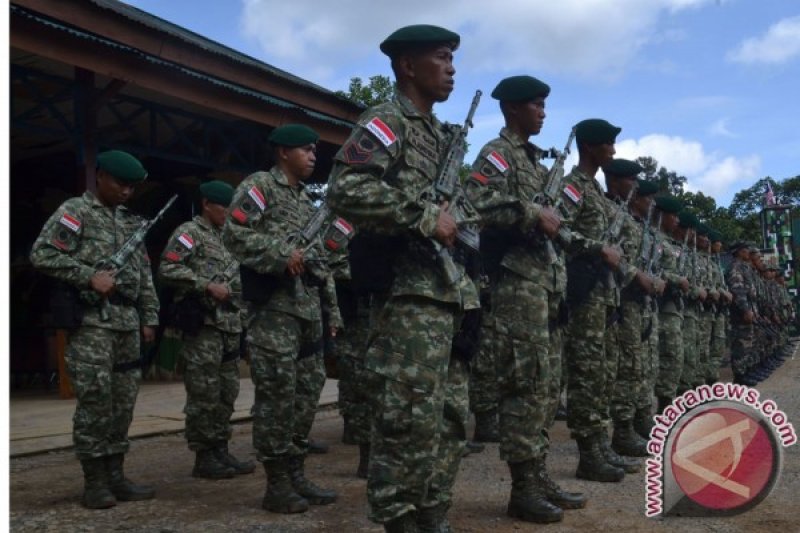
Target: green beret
217,192
596,131
738,245
687,219
293,135
622,168
702,229
646,187
122,166
669,204
714,235
416,36
520,89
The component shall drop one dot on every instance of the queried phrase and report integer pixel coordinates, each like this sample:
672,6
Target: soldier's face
432,72
300,161
602,154
111,191
716,247
216,213
641,204
669,221
531,115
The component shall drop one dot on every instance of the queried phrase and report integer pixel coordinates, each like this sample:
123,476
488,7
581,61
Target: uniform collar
95,202
281,179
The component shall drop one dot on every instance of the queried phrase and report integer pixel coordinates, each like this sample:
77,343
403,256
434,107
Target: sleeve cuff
427,224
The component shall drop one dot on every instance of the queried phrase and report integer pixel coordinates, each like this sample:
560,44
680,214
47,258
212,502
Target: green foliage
668,181
379,89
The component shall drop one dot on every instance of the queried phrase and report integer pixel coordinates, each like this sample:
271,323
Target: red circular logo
723,459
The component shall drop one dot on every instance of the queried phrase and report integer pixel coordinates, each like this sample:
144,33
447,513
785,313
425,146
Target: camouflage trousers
742,347
690,320
590,368
353,395
287,387
420,407
670,354
483,392
718,347
527,353
705,323
644,400
627,340
211,377
104,366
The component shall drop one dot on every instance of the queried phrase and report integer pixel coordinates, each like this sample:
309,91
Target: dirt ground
45,489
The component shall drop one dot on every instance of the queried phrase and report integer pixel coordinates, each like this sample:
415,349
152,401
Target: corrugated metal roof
195,39
82,34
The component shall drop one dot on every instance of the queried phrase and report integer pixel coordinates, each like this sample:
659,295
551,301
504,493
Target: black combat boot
555,494
663,403
208,465
123,488
280,496
486,427
528,501
239,467
433,519
317,447
561,411
593,465
305,488
347,432
627,441
628,464
402,524
643,422
472,446
96,491
363,460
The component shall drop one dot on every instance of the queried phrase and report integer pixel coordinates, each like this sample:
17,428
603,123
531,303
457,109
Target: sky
709,88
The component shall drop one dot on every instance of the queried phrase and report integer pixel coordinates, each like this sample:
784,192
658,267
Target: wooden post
64,384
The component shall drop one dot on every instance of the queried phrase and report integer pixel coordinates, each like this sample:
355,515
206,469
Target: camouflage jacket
194,257
506,176
740,283
380,182
83,231
265,213
672,301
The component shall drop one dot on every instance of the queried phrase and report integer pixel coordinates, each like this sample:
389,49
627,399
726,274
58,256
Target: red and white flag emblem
343,226
186,240
572,193
498,161
70,222
380,130
257,197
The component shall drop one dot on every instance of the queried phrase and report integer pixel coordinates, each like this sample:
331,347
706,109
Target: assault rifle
224,277
447,188
551,195
119,260
646,249
306,240
613,231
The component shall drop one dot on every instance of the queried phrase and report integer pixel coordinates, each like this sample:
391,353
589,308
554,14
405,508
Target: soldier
284,321
708,309
380,182
206,279
634,297
719,335
743,312
593,297
103,357
523,331
685,231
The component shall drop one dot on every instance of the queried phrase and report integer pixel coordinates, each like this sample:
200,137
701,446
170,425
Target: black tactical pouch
257,287
467,341
582,277
65,306
189,315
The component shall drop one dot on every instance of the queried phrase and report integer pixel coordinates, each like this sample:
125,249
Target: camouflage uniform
705,319
194,257
740,283
420,391
719,325
103,358
284,322
519,333
670,324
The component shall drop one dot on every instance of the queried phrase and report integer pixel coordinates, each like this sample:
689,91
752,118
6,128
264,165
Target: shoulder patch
571,192
358,150
498,161
343,226
186,240
480,178
258,197
380,130
70,222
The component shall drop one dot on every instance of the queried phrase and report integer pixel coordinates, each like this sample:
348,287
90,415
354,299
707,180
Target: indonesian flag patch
480,178
172,256
343,226
572,193
239,215
70,222
498,161
257,197
380,130
186,240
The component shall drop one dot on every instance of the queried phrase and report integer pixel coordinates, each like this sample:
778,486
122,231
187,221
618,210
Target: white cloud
586,38
780,44
712,174
720,129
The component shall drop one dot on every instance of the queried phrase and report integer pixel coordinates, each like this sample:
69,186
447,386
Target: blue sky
707,87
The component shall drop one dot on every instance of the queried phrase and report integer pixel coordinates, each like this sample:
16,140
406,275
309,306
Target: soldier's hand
659,286
548,222
218,291
148,334
446,228
103,283
295,265
702,295
728,296
714,295
333,330
611,256
684,284
645,282
748,317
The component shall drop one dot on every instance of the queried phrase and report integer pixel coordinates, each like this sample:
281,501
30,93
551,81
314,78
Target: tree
668,181
379,89
750,201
